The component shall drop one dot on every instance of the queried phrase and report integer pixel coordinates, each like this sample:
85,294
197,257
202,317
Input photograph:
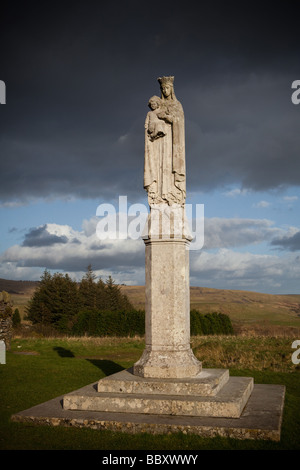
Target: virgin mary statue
164,170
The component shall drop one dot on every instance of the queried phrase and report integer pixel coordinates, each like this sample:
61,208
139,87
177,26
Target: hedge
106,323
132,323
210,324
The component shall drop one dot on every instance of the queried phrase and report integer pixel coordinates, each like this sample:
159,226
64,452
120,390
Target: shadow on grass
62,352
106,366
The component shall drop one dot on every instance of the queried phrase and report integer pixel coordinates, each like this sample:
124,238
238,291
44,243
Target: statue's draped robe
164,171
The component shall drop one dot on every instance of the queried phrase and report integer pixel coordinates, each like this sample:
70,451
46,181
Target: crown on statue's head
166,80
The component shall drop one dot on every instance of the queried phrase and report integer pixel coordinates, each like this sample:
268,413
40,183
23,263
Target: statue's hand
156,136
165,117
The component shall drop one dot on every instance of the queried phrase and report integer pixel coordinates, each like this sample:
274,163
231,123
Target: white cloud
235,192
262,204
228,269
74,253
12,204
10,270
89,226
218,264
235,232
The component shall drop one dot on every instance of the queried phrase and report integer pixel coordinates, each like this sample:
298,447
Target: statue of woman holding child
164,171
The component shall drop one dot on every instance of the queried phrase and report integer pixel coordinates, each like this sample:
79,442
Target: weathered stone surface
228,402
167,352
164,169
261,418
167,222
207,383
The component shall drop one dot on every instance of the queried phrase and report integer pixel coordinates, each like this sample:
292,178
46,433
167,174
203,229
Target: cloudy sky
78,78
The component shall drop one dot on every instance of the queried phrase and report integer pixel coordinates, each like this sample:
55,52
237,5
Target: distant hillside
20,291
18,287
241,306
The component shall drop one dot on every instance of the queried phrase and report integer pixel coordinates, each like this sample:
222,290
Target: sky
78,78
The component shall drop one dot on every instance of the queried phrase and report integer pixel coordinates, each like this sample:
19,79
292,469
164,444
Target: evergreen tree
87,293
115,299
16,318
55,301
102,300
38,307
61,302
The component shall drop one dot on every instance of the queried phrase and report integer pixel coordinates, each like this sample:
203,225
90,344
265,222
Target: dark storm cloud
291,243
41,237
77,263
79,77
246,130
109,257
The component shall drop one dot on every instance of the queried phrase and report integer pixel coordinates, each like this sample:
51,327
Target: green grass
58,366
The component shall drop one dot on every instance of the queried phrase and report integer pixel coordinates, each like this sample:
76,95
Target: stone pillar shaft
167,296
167,353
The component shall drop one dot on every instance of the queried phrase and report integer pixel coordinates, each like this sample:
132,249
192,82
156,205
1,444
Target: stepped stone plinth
212,393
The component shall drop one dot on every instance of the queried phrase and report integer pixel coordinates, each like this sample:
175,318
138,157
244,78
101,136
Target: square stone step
260,419
207,383
228,403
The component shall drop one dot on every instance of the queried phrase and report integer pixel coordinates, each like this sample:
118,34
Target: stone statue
164,170
166,235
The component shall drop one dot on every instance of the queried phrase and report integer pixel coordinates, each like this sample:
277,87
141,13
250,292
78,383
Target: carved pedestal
167,353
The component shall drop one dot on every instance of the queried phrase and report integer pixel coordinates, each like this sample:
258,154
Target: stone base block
207,383
229,402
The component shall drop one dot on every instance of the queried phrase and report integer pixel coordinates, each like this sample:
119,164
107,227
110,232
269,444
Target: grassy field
40,369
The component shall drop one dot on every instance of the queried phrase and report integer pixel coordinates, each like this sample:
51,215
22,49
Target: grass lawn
37,370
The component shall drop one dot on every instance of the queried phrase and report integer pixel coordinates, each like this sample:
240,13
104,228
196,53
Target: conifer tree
88,290
115,299
58,300
55,301
38,307
16,318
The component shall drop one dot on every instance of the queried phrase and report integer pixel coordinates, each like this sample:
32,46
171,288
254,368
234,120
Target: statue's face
166,90
153,104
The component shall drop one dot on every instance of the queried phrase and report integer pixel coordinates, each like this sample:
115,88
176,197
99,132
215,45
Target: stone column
168,353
